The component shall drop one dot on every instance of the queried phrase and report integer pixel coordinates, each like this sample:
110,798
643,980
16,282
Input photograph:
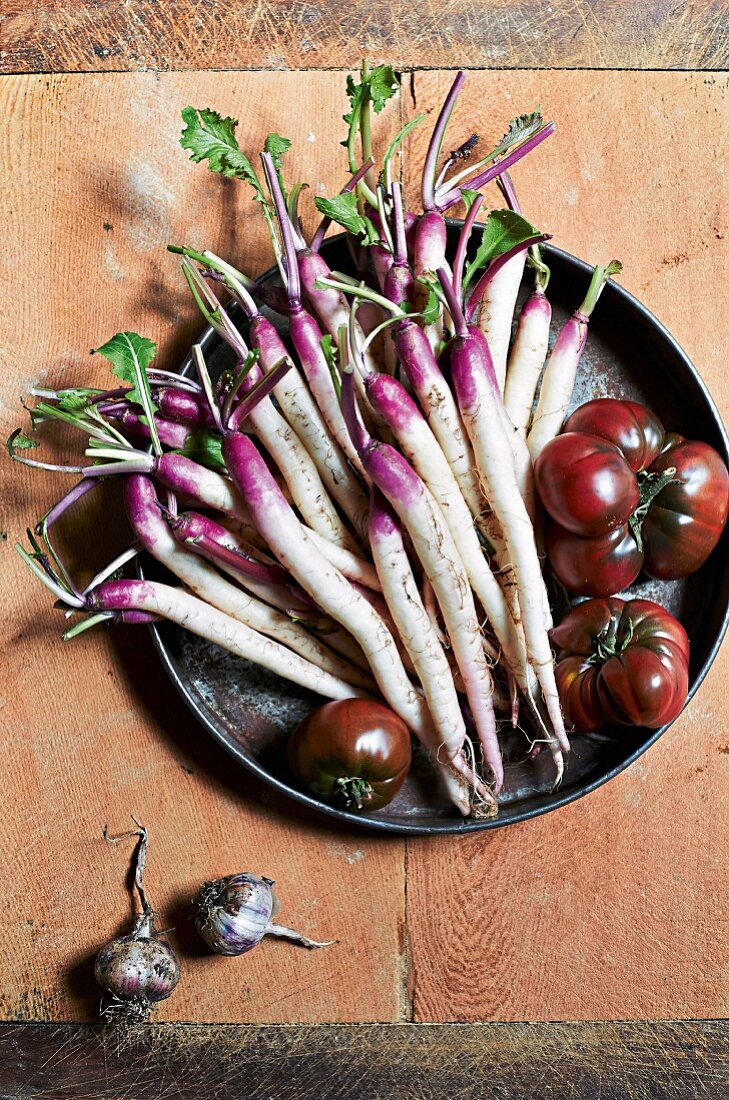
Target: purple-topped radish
442,564
529,350
561,370
478,401
421,640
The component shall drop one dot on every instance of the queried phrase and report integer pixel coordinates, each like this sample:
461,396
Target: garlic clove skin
232,914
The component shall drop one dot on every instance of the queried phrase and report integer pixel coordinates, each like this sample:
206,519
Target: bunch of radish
353,506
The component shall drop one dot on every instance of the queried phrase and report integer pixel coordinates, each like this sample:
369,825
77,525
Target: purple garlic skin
138,970
233,914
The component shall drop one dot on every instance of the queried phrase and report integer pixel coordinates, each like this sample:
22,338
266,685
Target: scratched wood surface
613,907
656,1061
104,35
607,909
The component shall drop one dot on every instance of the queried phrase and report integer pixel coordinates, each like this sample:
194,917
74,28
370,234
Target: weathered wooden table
613,909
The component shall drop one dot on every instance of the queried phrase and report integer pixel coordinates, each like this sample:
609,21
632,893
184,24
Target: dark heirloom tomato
684,522
632,427
619,661
585,483
683,500
352,753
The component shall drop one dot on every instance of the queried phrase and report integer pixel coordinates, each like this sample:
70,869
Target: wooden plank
103,35
610,908
91,731
652,1061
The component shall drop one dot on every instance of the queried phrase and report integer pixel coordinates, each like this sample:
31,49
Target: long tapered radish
149,526
302,412
499,300
214,491
200,486
527,356
420,447
296,401
435,399
272,584
519,451
203,535
299,470
485,426
306,337
441,562
560,372
417,632
325,584
178,606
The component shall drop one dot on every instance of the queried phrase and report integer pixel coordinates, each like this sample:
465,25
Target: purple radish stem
449,195
430,165
463,238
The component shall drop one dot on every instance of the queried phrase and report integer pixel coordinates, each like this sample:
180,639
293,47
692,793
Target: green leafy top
342,209
504,229
74,400
378,85
277,146
331,354
130,355
520,129
469,197
435,300
209,136
18,441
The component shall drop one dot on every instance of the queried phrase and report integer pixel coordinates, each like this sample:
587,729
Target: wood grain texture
609,908
653,1061
104,35
92,732
612,907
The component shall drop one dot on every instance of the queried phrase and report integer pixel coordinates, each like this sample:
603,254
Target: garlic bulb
233,915
138,970
141,968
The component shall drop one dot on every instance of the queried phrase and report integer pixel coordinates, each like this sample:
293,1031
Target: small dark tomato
624,662
585,483
632,427
351,753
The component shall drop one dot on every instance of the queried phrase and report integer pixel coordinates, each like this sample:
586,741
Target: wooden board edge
673,1060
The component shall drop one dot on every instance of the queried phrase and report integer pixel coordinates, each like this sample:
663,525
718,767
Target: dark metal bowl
251,712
